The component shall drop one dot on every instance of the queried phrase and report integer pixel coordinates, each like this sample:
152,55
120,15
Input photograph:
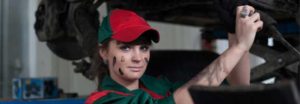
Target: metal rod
277,35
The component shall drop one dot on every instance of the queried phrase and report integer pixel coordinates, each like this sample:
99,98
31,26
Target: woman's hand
232,40
246,27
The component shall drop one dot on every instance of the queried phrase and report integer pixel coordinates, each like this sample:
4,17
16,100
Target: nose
137,55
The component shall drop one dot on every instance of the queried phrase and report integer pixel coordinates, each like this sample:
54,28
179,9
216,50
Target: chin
135,76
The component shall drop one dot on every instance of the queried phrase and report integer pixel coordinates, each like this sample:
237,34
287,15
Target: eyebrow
118,43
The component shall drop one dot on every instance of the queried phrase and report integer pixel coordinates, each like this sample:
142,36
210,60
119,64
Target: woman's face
126,60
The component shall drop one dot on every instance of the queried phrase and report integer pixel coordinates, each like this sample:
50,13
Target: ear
103,53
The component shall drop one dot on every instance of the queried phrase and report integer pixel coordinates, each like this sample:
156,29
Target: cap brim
133,33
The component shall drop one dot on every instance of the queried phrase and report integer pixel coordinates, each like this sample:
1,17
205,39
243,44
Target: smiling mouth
135,69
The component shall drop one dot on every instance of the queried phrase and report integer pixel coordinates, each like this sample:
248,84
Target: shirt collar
159,86
109,84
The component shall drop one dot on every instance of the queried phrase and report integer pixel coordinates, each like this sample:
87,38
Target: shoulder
98,95
161,80
160,84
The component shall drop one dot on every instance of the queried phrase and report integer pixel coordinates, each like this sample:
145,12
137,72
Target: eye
125,47
145,48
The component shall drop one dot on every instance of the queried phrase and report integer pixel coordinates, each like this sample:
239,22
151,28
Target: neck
129,84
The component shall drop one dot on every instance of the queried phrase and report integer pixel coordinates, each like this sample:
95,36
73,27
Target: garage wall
14,46
1,49
178,37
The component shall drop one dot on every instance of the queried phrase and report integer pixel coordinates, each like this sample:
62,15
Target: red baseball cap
124,26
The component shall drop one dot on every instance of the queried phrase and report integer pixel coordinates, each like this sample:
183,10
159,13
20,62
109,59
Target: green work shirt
152,91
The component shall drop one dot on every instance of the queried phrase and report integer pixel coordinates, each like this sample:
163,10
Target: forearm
240,75
213,75
218,70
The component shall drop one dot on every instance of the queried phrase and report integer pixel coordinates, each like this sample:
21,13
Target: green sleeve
138,97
